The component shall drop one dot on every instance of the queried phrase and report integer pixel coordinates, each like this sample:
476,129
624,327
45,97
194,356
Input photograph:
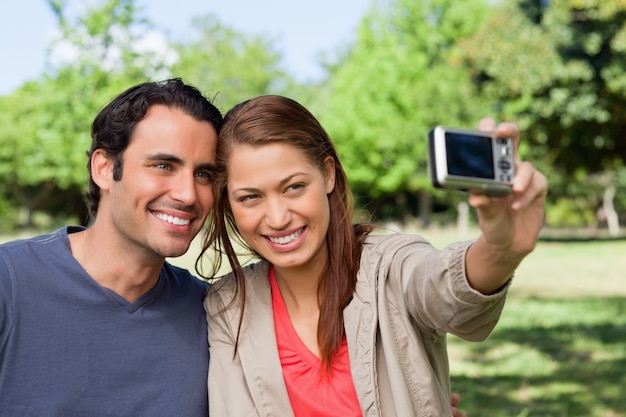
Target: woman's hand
509,225
455,401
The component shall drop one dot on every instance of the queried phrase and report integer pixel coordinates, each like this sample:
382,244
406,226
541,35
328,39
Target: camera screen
469,155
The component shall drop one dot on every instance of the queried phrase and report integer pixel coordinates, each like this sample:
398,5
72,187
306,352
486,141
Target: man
94,322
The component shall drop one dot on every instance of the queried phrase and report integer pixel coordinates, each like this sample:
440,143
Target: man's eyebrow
165,157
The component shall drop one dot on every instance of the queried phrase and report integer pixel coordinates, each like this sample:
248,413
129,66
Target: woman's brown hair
276,119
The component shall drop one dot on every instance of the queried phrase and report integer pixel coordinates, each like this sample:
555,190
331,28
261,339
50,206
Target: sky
301,29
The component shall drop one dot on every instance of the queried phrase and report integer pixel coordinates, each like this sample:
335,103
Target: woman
334,320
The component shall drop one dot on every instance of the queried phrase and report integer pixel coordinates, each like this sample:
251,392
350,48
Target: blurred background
378,74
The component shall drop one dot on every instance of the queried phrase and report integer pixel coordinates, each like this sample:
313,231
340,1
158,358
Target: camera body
470,160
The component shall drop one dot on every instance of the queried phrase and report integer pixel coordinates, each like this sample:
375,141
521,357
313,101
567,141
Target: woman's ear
101,168
329,173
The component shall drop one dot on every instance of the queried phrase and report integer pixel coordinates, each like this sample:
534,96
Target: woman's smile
287,238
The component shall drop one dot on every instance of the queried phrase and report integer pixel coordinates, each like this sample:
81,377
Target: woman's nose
278,214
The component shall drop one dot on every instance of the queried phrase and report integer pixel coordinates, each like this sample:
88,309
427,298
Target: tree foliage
228,64
46,127
555,67
558,69
401,78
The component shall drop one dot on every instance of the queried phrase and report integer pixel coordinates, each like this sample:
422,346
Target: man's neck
129,272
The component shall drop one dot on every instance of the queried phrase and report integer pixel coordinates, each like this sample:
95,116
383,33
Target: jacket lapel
258,349
360,323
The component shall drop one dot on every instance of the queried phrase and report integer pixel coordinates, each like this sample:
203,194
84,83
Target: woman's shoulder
223,291
253,274
388,247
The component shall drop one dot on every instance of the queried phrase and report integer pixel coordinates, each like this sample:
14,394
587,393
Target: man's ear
329,168
101,168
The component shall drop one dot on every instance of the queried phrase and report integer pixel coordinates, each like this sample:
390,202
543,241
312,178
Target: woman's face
280,204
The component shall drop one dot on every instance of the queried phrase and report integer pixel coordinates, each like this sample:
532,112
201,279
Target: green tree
45,124
229,65
557,68
402,77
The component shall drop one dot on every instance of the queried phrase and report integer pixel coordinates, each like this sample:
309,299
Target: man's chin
176,251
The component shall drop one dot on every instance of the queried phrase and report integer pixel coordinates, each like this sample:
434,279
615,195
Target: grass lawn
547,357
559,349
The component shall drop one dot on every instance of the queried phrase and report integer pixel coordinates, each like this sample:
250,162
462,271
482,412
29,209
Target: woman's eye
248,197
295,186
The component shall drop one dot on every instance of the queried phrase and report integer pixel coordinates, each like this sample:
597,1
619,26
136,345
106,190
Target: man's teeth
283,240
171,219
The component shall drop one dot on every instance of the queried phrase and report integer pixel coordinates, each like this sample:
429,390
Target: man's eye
162,165
205,175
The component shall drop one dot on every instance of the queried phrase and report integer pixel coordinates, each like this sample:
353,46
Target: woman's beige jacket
408,296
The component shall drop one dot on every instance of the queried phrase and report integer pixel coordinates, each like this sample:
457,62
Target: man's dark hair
114,126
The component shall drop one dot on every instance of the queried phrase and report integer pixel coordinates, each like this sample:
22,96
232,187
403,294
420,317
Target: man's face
165,193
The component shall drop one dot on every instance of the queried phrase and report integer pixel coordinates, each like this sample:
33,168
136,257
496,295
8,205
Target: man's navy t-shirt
70,347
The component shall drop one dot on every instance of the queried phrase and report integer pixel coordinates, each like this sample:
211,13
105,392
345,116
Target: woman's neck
298,286
300,295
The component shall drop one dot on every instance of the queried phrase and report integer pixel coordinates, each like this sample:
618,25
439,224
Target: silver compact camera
470,160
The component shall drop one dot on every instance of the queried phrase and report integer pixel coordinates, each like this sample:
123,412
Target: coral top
312,392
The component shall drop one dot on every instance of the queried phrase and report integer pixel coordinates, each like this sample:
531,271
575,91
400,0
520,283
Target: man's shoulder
184,277
26,244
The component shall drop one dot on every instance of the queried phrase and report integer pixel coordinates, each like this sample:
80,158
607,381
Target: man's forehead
171,128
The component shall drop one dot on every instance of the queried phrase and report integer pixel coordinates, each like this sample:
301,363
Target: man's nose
184,189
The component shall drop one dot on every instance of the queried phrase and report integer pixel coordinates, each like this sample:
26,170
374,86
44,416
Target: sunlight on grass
547,357
505,358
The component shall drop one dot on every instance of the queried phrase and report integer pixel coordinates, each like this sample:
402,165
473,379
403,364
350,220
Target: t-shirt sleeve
6,298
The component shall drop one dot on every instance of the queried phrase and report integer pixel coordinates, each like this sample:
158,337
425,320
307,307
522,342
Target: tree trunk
612,219
462,220
425,208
